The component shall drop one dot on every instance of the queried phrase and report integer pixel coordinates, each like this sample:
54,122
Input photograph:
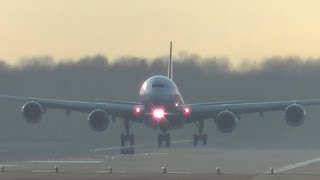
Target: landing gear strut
127,137
164,136
200,136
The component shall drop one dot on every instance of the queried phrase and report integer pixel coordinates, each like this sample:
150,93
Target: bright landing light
158,113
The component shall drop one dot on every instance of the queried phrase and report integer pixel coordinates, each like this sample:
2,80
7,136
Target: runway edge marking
295,165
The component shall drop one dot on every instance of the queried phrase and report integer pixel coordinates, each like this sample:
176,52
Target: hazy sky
251,29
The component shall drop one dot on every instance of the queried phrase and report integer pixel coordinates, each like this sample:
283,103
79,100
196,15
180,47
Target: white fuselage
162,103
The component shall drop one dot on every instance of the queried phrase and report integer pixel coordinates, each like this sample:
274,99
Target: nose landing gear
164,137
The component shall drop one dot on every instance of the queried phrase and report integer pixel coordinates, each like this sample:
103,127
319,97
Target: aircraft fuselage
163,106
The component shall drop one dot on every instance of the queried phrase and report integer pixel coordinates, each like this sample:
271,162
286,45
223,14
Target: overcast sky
246,29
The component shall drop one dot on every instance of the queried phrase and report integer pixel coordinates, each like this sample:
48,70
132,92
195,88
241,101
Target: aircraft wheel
195,139
204,139
160,138
122,151
131,151
127,150
123,139
167,136
131,139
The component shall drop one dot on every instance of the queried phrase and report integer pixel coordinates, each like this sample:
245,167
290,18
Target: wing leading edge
113,108
207,111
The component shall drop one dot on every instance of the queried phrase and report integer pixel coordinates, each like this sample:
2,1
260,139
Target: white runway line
296,165
8,165
156,153
182,141
42,171
68,162
112,172
179,172
134,155
137,146
118,147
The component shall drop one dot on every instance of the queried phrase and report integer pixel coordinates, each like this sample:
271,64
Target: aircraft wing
207,111
118,102
216,103
113,108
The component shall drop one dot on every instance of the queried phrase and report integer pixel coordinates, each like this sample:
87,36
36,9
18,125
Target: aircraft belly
165,124
150,100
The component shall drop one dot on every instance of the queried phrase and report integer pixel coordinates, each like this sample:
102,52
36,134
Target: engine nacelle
295,115
32,112
98,120
226,121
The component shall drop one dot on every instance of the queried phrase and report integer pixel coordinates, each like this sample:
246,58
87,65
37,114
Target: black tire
160,140
131,139
195,139
127,150
123,140
204,139
131,151
168,140
123,150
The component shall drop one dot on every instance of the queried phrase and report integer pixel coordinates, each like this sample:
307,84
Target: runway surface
181,163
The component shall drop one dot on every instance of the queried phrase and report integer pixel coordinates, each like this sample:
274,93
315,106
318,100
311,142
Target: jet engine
32,112
295,115
98,120
226,121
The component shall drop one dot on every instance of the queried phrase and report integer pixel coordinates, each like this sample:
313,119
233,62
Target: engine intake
98,120
295,115
226,121
32,112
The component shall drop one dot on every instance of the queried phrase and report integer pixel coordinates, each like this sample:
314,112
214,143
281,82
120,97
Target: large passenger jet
162,108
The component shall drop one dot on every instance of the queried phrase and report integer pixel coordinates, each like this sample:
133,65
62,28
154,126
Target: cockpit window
157,85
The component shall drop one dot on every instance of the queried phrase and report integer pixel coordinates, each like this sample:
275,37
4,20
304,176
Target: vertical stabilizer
170,62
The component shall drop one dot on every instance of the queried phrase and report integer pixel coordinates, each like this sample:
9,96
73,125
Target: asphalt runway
181,163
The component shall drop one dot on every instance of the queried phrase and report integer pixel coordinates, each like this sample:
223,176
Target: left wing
207,111
112,108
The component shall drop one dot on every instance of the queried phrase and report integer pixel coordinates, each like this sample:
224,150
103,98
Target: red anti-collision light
186,111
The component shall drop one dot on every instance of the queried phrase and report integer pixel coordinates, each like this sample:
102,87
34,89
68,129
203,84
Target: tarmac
179,163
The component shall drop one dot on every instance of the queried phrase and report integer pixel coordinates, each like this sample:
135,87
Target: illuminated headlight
158,113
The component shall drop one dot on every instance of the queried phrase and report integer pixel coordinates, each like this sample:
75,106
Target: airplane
162,108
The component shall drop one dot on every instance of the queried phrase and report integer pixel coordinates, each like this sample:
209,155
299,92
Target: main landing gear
127,137
200,136
164,136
